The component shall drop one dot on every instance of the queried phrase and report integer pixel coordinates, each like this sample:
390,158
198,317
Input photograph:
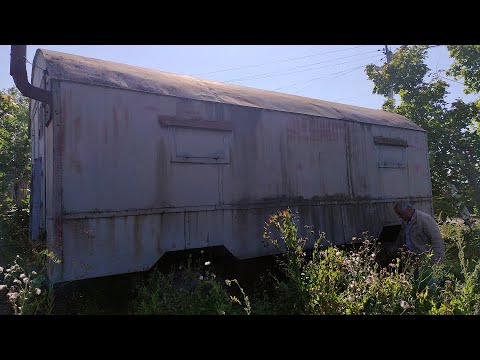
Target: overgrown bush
459,235
188,290
335,281
14,237
24,291
23,282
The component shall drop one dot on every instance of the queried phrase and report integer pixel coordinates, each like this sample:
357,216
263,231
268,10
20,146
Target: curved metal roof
86,70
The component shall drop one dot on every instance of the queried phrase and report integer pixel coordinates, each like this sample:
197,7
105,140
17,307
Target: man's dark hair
403,206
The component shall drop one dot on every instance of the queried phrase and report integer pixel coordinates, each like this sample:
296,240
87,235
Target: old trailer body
130,163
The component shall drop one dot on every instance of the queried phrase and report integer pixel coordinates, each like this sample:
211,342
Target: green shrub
186,290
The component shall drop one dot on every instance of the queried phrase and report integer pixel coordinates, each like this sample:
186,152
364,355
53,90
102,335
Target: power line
297,67
344,72
276,62
263,76
322,77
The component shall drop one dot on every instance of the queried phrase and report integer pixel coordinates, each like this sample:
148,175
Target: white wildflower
1,269
13,296
38,291
26,280
350,298
34,273
3,287
207,263
22,276
201,277
404,305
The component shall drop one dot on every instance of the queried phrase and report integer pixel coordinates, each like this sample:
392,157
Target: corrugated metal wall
133,175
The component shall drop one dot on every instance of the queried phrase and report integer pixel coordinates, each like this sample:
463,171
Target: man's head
404,210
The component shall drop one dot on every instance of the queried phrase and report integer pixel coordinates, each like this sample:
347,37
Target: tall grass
323,280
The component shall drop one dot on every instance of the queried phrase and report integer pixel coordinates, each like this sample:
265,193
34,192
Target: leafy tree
453,137
14,142
466,65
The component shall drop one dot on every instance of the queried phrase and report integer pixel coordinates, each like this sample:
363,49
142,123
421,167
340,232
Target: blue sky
326,72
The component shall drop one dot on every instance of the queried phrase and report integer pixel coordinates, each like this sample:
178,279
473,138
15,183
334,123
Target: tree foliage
14,141
453,134
466,65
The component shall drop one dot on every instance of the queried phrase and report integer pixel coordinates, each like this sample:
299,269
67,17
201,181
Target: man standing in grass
419,231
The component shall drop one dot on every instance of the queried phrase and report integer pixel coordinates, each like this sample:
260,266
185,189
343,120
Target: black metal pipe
18,70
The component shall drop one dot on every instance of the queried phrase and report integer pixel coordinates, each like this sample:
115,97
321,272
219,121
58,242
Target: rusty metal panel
55,239
195,124
363,162
277,155
107,246
132,174
204,229
118,140
373,179
48,170
244,238
114,141
419,183
193,185
326,219
195,145
36,199
360,218
49,198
